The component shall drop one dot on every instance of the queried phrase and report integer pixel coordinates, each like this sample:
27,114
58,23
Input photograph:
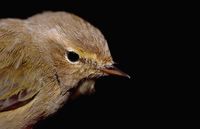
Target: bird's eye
72,56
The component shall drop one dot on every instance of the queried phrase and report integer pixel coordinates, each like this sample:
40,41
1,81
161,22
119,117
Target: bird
45,61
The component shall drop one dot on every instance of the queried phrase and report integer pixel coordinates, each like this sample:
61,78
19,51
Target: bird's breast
85,86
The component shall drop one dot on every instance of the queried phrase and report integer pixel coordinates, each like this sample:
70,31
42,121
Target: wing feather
19,79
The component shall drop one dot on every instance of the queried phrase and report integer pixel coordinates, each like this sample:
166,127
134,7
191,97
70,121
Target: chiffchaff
44,61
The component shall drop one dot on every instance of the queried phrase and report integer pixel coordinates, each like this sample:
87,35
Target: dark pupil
72,56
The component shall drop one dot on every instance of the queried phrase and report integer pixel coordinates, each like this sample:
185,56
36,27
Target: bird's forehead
86,44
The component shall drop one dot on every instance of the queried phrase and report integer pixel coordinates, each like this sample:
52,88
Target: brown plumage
42,59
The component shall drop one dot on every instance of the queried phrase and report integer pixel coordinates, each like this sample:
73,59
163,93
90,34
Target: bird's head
78,49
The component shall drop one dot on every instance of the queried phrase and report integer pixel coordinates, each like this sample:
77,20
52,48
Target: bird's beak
112,70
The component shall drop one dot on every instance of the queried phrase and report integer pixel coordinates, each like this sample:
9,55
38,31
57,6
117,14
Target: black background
129,28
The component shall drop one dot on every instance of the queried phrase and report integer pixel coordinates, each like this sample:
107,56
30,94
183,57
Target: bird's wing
18,80
16,88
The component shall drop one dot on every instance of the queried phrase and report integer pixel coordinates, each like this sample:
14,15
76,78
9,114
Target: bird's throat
85,86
